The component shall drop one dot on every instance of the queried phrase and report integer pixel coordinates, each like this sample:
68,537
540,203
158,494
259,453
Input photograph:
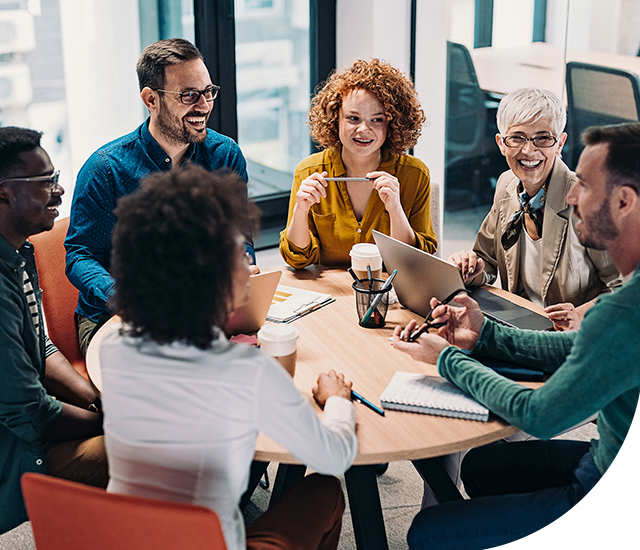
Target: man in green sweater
518,488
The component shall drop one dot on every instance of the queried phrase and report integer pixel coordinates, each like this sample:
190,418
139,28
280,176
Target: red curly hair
393,89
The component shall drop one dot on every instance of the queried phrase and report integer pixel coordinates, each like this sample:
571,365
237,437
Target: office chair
597,96
59,296
469,134
70,516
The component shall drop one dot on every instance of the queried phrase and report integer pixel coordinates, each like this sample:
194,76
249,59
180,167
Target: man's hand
468,263
331,383
463,323
462,329
425,348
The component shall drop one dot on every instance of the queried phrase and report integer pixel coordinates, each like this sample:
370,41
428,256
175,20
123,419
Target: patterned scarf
530,206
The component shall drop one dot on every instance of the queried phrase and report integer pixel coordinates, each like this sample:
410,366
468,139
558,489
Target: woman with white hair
529,237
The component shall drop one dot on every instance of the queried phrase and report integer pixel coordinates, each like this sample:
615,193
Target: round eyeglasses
518,142
191,97
51,180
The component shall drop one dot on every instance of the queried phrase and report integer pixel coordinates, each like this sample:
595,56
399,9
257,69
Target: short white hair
528,105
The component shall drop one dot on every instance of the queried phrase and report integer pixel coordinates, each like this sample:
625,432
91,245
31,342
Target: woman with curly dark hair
365,118
183,405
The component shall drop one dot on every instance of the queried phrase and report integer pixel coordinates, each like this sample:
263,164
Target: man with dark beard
518,488
176,88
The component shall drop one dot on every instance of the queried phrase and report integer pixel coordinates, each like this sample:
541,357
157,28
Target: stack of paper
291,303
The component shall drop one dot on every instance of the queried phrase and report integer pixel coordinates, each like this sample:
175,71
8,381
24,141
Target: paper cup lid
278,340
364,250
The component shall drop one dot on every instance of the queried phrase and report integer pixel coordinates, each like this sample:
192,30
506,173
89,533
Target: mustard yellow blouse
333,226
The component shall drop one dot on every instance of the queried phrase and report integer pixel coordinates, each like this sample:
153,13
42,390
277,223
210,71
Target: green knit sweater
595,370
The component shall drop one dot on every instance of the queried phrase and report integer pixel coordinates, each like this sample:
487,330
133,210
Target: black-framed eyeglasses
191,97
518,142
51,180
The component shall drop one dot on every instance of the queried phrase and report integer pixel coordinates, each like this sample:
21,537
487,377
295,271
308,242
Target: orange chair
59,297
70,516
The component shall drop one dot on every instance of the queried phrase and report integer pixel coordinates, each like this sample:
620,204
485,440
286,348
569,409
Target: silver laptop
251,315
422,276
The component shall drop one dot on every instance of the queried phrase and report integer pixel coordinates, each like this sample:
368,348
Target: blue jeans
515,489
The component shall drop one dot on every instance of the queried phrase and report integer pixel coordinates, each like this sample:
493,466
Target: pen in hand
427,324
359,399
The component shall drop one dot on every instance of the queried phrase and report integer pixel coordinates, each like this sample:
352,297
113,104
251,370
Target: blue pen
359,399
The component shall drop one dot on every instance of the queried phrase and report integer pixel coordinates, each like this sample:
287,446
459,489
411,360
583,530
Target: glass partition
531,42
273,67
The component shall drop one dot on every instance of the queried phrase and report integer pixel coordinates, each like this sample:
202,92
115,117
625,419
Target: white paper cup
280,342
363,254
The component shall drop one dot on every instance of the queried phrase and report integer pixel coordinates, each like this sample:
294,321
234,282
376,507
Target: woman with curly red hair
365,119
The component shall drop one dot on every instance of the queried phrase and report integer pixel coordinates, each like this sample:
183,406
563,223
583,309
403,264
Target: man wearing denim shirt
176,89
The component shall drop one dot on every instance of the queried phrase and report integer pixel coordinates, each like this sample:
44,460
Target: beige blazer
563,257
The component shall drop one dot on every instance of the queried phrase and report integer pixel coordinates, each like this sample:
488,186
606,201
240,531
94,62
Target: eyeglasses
191,97
51,180
518,142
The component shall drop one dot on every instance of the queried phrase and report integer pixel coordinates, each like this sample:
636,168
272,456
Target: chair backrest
70,516
59,296
436,215
597,96
466,111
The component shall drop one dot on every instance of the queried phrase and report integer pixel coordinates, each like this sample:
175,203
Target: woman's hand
331,383
311,191
388,188
566,316
468,263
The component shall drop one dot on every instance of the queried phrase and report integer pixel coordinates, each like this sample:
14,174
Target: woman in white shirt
183,405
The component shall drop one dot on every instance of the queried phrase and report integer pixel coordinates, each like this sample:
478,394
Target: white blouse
181,423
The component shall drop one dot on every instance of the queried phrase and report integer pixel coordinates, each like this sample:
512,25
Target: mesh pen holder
365,298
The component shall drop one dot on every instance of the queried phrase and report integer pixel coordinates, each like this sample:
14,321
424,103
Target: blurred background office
67,68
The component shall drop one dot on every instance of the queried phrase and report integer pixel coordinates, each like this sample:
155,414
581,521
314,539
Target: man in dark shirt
176,88
38,433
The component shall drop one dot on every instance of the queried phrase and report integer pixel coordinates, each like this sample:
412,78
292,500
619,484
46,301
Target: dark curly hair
393,89
175,248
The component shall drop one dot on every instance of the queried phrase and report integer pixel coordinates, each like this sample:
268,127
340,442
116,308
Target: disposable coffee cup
363,254
280,342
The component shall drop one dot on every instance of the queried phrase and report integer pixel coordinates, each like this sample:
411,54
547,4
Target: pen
347,179
359,399
355,278
426,325
377,299
370,277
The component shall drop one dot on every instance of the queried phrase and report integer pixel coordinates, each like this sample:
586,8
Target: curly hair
393,89
175,249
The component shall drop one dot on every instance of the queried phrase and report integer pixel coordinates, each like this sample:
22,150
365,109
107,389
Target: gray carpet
400,494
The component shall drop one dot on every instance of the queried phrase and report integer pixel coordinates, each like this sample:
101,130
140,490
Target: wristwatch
96,406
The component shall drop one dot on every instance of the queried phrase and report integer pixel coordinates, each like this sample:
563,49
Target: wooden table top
539,64
330,338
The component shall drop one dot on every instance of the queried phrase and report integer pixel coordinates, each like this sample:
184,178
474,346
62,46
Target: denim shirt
26,410
112,172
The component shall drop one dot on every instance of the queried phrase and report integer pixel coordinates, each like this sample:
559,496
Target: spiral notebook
412,392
